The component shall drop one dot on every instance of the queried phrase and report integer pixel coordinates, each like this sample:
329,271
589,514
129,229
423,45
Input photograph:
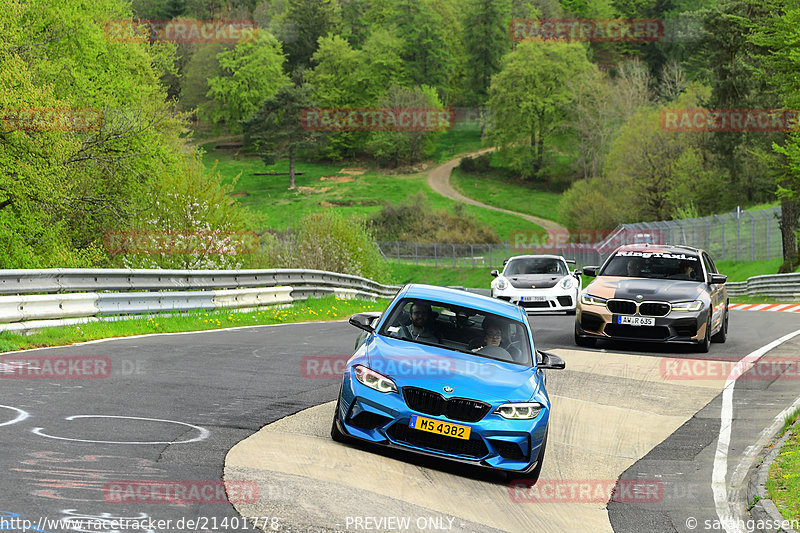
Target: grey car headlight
588,299
519,411
695,305
567,283
502,284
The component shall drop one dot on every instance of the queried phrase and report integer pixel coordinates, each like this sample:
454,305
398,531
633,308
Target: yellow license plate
439,427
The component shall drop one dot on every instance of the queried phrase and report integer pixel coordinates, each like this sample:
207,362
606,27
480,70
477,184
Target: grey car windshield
536,265
655,265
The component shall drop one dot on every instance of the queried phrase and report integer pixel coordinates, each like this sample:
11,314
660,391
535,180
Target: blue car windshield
459,328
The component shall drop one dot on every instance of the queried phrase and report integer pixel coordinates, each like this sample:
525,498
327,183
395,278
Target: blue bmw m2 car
451,374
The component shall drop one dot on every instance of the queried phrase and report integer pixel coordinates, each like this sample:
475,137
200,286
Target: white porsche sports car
538,283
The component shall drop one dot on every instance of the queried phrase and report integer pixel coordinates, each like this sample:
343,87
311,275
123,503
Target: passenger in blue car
421,328
493,337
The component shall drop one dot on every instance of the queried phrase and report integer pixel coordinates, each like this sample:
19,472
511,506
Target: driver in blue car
420,328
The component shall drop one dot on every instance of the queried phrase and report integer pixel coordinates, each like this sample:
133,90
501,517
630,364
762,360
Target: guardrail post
416,253
491,263
767,220
454,255
752,236
695,239
435,257
722,225
738,234
472,254
398,251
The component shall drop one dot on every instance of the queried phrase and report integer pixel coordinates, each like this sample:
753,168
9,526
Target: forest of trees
583,117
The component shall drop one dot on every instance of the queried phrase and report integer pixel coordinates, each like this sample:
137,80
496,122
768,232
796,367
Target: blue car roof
461,297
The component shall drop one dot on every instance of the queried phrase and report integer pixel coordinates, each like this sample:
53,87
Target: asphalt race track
166,410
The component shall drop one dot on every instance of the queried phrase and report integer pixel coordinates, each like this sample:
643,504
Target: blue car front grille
474,448
433,403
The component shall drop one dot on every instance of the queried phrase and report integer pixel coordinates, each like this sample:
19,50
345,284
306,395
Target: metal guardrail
30,281
49,296
779,286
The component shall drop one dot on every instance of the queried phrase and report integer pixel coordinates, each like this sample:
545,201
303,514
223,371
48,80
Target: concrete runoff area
609,410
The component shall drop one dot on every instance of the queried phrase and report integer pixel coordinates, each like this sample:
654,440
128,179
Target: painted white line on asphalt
725,510
204,433
21,415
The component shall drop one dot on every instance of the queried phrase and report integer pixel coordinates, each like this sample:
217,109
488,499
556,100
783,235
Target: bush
476,165
415,221
191,224
328,241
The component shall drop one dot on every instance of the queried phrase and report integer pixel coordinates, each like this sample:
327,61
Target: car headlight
695,305
501,284
373,380
519,411
588,299
567,283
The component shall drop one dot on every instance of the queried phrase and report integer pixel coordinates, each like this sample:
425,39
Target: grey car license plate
636,320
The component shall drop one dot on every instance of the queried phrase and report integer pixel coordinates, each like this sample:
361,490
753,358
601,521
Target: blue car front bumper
495,442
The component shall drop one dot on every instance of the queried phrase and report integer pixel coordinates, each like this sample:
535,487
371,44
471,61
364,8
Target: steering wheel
496,352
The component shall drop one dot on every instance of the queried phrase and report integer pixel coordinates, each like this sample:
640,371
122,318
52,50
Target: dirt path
439,181
223,139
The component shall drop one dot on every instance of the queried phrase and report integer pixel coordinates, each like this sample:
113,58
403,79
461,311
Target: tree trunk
537,145
291,167
540,150
788,224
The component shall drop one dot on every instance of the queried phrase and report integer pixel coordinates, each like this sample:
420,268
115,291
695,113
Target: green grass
360,196
741,270
455,142
783,484
756,300
320,309
462,277
767,205
790,419
493,190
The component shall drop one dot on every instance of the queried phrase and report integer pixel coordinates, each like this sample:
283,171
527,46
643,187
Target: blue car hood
429,367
